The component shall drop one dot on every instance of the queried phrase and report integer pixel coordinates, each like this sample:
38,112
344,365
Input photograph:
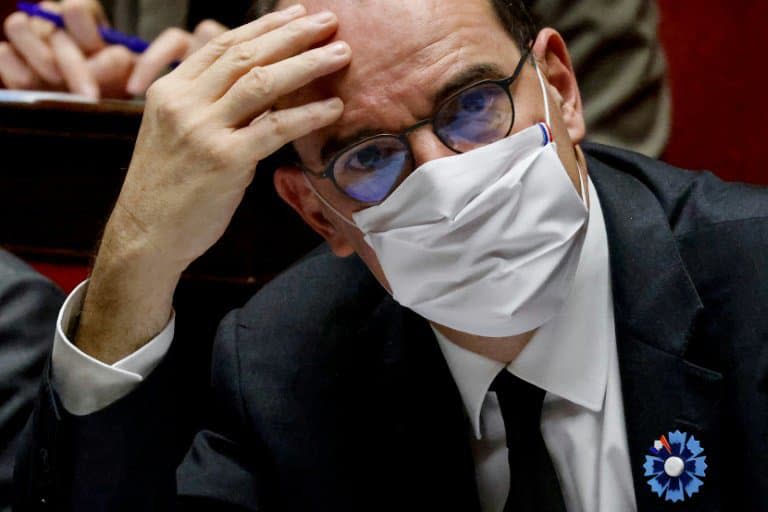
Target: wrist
129,299
127,241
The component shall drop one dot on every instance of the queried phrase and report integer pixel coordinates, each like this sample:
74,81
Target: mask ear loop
326,203
582,182
546,98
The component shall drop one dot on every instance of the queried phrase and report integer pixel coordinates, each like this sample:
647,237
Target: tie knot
513,391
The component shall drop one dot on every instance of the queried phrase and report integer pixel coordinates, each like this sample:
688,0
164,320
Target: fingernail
339,48
294,9
333,103
133,86
324,17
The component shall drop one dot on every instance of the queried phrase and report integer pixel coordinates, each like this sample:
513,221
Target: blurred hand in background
38,56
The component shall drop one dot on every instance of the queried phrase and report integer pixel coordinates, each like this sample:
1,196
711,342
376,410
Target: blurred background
716,73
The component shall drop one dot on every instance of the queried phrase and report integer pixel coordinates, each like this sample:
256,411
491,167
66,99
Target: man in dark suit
29,304
623,369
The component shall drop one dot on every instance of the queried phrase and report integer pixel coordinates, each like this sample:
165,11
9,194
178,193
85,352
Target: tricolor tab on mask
546,132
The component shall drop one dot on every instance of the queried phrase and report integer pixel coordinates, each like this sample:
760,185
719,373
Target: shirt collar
567,357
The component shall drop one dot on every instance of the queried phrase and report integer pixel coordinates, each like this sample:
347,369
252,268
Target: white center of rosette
674,466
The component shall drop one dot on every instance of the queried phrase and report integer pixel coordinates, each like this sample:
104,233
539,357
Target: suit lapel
429,453
656,308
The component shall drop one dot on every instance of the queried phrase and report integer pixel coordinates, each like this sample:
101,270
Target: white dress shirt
572,357
85,384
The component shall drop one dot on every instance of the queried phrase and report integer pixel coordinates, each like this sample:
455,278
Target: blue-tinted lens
475,117
369,171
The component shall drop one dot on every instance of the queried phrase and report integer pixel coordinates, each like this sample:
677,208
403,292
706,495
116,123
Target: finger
30,46
204,32
262,86
51,6
111,68
280,127
286,41
14,72
95,8
172,45
207,30
73,65
82,25
215,48
41,27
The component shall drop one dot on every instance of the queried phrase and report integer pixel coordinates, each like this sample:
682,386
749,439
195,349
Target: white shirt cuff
85,384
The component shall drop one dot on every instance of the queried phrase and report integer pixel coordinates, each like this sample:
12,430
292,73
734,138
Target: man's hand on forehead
206,126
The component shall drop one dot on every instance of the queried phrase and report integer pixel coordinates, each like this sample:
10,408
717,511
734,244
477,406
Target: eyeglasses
475,116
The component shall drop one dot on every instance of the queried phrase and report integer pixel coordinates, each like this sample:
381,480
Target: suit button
44,461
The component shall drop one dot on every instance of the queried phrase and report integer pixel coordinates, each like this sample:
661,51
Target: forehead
403,51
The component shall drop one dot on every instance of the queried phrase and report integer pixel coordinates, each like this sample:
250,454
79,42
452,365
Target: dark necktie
533,482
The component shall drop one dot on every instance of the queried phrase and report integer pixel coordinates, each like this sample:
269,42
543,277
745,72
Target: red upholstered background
66,276
718,79
718,75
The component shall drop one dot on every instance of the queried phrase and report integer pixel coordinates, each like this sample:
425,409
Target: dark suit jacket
330,396
29,304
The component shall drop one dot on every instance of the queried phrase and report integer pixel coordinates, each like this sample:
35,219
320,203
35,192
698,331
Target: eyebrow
468,76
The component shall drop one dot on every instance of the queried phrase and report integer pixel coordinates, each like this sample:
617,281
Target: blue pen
111,36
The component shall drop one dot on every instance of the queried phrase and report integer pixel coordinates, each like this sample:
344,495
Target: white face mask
485,242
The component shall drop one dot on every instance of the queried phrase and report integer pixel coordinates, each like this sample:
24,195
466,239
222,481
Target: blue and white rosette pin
675,466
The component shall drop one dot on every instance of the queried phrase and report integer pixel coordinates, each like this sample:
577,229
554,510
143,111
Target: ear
293,189
552,57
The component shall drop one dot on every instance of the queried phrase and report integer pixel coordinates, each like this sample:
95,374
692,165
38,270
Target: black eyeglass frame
503,83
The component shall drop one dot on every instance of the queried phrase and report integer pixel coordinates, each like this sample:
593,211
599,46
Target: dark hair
513,14
516,18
